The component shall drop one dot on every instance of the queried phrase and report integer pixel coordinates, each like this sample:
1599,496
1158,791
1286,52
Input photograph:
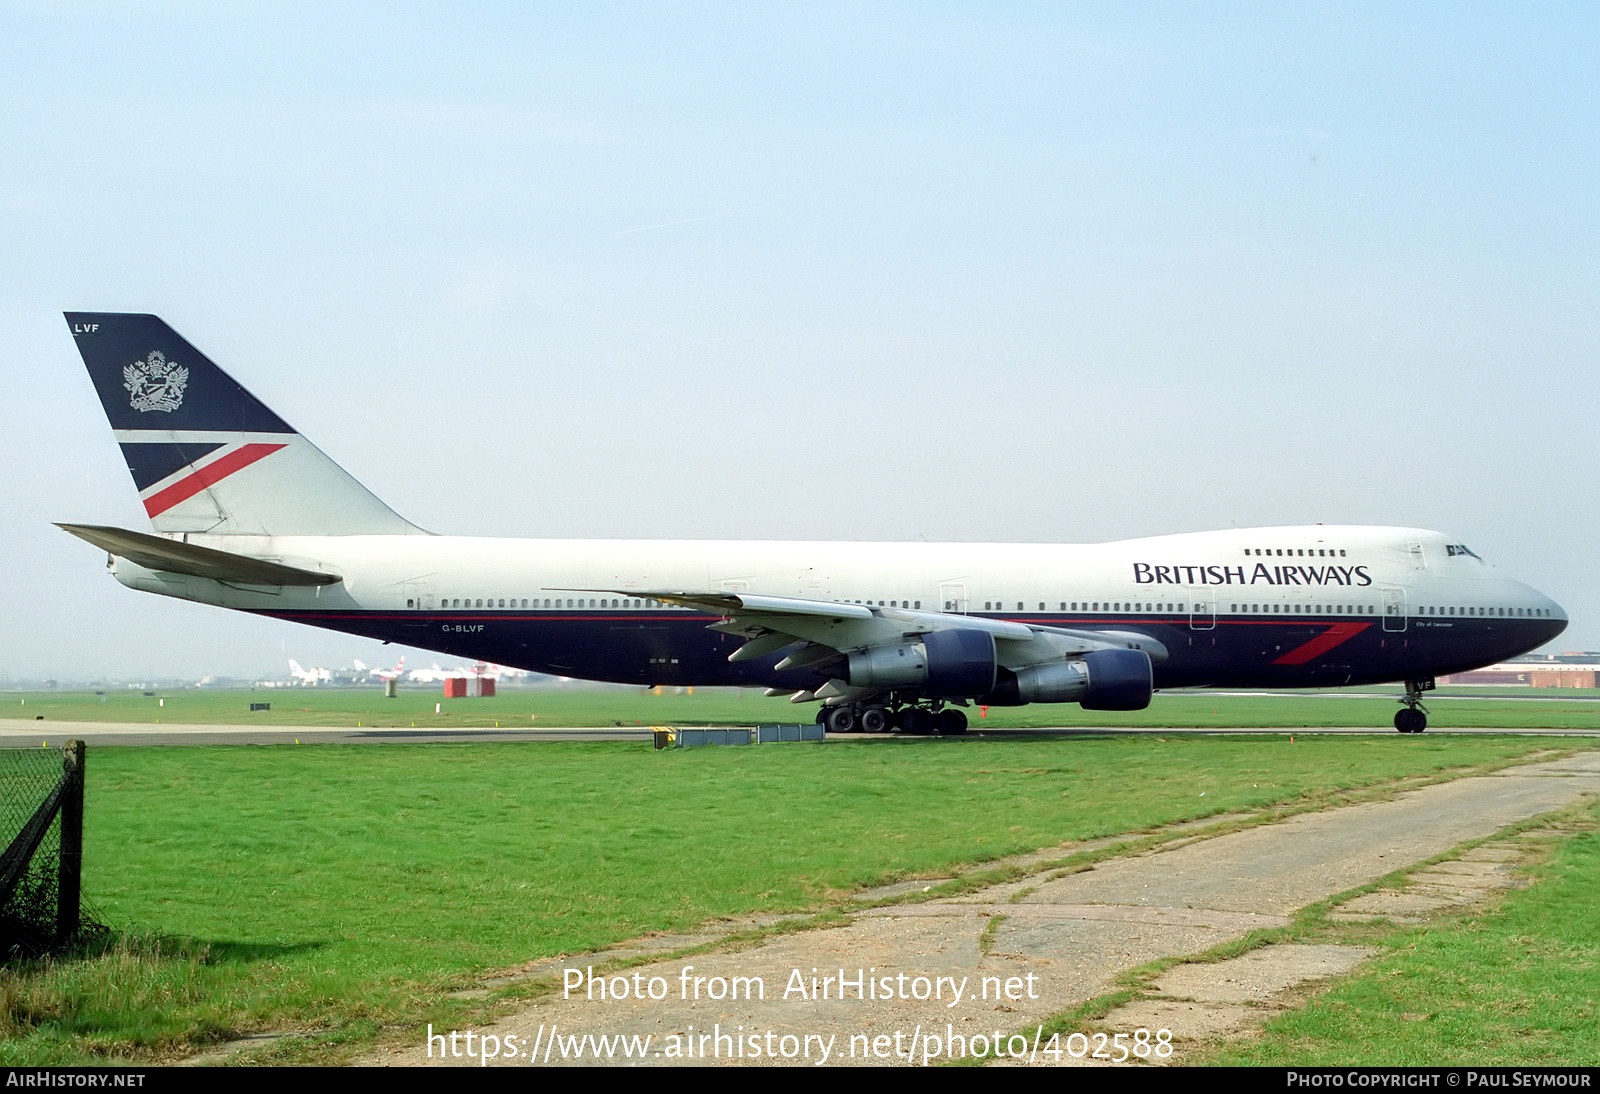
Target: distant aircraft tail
205,454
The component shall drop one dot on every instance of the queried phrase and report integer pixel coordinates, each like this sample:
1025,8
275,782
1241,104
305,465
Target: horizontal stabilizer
171,556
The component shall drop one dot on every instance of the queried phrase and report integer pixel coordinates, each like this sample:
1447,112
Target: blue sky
1014,272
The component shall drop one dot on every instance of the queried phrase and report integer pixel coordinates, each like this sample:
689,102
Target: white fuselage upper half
1267,568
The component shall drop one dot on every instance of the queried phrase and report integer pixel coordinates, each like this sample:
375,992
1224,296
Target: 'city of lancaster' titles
1146,573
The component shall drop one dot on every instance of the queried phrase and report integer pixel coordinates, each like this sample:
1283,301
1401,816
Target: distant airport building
1562,670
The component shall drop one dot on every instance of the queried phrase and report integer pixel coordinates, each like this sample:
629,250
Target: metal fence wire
41,848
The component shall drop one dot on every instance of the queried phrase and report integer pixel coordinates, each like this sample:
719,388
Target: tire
1410,721
841,720
874,720
952,722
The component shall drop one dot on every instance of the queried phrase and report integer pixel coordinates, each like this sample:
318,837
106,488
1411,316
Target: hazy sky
1053,272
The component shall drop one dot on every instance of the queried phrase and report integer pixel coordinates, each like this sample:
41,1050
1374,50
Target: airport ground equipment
666,737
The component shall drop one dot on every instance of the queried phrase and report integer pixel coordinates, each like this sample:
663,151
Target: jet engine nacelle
1099,680
954,663
1061,682
1118,680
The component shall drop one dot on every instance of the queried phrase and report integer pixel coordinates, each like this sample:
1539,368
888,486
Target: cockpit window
1453,549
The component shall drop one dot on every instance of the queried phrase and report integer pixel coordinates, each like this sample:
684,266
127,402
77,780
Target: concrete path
919,982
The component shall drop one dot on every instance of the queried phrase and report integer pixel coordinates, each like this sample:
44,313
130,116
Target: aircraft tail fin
205,454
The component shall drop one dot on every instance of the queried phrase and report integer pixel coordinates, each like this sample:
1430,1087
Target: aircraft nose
1551,612
1559,614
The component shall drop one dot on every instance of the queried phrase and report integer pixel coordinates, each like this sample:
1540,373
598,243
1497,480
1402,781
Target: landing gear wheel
1410,720
952,722
822,716
841,720
1414,718
874,720
916,721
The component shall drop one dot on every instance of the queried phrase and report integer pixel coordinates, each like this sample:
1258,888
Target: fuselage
1267,607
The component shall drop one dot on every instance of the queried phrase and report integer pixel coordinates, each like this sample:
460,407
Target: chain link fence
41,831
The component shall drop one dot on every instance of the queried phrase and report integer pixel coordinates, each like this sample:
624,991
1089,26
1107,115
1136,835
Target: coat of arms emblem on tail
154,383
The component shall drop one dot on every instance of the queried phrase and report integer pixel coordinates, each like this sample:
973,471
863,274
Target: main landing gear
1414,718
877,718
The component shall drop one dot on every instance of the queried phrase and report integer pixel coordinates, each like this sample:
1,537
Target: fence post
70,868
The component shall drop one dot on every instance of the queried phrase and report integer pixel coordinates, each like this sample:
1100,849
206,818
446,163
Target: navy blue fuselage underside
675,647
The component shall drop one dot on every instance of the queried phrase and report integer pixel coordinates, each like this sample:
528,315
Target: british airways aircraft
247,514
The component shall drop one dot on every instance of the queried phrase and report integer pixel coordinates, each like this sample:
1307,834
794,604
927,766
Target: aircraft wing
828,629
177,557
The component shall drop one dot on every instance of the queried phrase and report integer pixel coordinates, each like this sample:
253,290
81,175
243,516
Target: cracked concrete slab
923,981
1260,974
1491,854
1402,906
1223,999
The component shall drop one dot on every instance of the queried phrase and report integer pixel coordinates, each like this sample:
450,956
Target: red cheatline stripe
209,475
1335,635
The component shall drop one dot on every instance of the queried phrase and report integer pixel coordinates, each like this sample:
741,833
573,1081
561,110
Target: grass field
536,707
348,891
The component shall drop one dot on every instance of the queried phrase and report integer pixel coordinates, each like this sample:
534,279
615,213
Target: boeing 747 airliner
247,514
